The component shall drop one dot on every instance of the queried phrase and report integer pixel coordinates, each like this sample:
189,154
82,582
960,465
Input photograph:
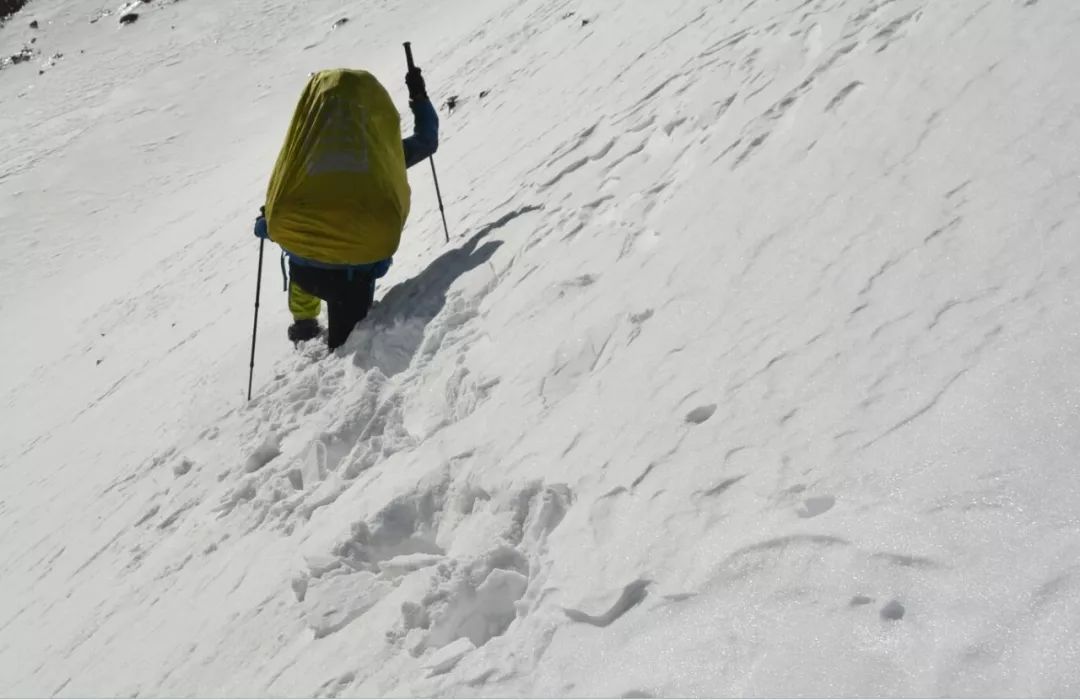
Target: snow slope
752,368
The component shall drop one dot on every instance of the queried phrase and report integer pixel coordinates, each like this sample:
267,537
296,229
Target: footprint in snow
182,467
701,414
893,610
813,507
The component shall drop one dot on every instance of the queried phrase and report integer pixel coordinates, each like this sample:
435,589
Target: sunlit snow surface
751,369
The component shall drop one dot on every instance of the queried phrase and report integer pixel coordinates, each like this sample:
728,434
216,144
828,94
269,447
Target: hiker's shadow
394,331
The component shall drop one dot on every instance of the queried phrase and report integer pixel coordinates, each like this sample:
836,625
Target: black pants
348,295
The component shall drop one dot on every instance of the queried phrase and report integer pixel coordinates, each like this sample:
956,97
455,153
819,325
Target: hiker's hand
417,89
261,230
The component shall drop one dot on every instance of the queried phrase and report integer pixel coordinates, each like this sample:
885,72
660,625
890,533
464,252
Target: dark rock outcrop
10,7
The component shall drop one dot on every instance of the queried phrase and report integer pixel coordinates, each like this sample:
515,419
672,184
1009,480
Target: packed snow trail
752,369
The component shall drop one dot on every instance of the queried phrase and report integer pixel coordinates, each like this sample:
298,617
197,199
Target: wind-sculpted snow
751,368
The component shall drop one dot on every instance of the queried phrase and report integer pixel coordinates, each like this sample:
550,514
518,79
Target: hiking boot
304,329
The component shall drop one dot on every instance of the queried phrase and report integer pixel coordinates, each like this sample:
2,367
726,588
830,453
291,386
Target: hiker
339,196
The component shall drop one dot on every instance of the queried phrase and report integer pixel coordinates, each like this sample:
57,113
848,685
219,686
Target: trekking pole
438,194
254,330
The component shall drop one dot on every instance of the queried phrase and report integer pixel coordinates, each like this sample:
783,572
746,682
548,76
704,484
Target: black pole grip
408,55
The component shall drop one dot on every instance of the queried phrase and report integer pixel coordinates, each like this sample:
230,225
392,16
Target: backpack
339,194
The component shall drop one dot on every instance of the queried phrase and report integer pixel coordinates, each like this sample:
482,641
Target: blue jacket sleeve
425,138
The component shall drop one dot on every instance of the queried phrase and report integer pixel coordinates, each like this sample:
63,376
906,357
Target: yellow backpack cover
339,193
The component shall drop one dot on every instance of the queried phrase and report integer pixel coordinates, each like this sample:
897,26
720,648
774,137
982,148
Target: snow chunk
263,454
444,660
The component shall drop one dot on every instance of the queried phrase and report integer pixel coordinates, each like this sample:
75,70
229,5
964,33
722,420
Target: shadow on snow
394,331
